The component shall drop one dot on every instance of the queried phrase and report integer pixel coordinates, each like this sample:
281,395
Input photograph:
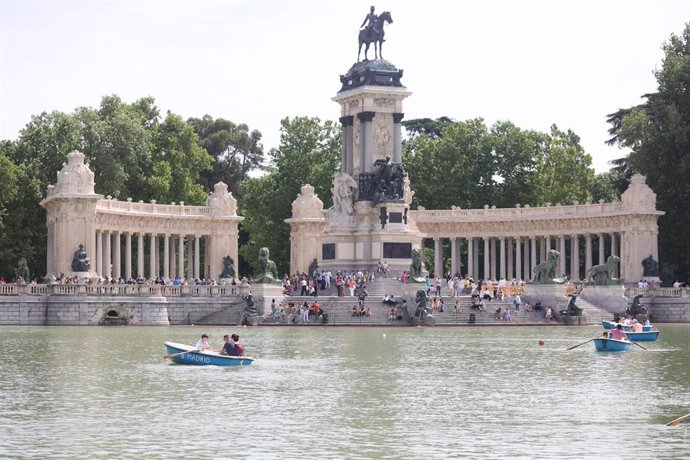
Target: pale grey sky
256,61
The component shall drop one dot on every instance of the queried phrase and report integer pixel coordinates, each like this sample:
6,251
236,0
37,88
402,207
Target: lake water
476,392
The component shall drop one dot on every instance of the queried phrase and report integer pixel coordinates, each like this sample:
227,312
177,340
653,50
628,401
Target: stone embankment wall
92,311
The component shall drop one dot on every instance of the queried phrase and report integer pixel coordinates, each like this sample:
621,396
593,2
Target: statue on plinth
22,270
313,266
417,266
390,179
80,261
250,315
269,271
545,272
343,193
602,275
650,267
228,268
373,33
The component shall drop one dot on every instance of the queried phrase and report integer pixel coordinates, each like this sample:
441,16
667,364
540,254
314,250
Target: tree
235,149
309,152
657,132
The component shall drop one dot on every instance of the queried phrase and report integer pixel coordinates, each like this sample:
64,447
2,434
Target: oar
678,420
635,343
580,344
178,354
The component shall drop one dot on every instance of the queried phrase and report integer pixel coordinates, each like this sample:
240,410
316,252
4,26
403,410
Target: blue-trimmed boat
612,325
604,344
644,336
185,354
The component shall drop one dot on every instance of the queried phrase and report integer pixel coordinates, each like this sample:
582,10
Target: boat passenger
636,326
647,323
203,344
228,346
618,333
238,349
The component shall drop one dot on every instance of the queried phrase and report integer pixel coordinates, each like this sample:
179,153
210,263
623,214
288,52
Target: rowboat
612,325
645,336
185,354
602,344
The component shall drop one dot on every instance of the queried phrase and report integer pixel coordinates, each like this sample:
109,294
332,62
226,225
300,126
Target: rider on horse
371,26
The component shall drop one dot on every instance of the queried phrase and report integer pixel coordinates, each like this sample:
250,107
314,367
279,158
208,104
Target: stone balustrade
131,290
658,292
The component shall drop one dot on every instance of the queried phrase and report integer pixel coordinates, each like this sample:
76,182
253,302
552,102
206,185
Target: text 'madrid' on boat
185,354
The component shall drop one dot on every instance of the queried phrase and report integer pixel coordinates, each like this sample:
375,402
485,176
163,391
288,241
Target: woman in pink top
617,333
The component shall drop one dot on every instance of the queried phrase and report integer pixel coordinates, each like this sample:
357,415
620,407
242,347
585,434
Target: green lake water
331,392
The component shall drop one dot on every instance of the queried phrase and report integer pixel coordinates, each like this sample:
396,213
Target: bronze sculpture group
372,32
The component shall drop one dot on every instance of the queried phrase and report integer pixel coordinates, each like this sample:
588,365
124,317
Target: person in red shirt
617,333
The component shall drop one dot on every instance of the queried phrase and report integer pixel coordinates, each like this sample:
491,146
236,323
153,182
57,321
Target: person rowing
203,344
618,333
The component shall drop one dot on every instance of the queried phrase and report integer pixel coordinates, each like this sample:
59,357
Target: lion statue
269,272
545,272
250,314
22,269
602,275
417,265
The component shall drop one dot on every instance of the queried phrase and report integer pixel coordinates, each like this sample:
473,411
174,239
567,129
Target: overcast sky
534,63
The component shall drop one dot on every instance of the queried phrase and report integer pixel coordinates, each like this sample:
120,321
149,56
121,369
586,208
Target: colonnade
516,257
167,261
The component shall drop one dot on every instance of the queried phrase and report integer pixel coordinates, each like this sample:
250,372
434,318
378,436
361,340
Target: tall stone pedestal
263,294
610,298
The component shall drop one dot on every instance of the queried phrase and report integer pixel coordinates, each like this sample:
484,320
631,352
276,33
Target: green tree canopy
657,132
309,153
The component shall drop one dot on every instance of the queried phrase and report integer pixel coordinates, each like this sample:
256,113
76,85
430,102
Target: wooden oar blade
678,421
173,355
578,345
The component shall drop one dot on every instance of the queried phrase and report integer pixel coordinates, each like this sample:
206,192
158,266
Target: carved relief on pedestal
384,102
383,136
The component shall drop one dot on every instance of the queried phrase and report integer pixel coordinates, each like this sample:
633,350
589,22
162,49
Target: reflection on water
481,392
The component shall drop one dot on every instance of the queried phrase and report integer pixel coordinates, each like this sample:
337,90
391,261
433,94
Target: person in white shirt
203,344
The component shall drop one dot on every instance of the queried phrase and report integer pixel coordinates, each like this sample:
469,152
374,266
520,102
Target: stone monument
370,218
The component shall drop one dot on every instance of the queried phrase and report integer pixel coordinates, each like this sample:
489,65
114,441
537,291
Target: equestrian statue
372,32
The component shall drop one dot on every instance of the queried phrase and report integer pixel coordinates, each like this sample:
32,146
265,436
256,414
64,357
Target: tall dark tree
657,132
235,149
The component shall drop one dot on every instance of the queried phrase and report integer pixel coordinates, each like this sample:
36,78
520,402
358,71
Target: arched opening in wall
113,314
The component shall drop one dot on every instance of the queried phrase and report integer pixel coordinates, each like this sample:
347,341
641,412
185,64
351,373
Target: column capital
365,117
347,120
397,117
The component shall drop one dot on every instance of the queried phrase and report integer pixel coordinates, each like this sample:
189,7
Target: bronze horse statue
374,35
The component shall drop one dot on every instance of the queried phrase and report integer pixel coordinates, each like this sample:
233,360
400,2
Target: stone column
366,141
502,257
140,254
347,123
548,245
614,245
510,259
180,256
397,137
438,257
173,264
492,257
475,258
487,263
561,259
99,253
197,254
152,255
117,262
156,256
128,255
526,275
533,258
601,248
166,257
470,256
575,257
588,252
518,258
108,265
454,256
190,256
542,250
